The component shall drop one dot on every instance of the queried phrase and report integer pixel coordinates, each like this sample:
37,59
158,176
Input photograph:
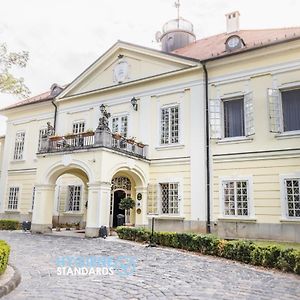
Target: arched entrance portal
121,188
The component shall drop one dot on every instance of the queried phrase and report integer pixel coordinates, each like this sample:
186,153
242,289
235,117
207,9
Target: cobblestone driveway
161,273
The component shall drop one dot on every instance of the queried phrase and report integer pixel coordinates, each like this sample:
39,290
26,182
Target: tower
176,33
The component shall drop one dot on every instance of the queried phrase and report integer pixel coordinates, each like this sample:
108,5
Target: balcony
91,140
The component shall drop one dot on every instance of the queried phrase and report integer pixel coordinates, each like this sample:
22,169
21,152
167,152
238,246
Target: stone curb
12,283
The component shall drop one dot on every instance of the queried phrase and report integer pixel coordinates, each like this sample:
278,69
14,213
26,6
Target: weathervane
177,5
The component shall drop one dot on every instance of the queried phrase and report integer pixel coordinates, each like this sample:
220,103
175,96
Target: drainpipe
55,115
208,223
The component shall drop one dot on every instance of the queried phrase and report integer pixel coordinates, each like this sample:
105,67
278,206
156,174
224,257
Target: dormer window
234,42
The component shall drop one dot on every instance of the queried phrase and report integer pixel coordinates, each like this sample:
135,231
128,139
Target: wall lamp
134,103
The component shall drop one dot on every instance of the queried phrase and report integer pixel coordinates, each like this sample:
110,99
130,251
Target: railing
90,140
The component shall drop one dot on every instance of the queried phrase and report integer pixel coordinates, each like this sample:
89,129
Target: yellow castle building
203,135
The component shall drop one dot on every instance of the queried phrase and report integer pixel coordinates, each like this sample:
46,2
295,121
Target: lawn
283,245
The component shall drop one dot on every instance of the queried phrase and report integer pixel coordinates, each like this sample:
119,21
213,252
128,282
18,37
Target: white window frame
278,122
180,196
119,117
19,146
68,198
42,131
17,195
180,124
79,123
216,116
249,179
283,195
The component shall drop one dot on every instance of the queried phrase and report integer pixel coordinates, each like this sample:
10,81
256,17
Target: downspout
208,223
55,115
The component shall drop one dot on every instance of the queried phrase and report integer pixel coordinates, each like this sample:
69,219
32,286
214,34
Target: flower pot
89,133
117,136
55,138
140,145
129,141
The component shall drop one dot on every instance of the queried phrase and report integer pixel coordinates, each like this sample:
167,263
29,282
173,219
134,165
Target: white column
43,208
141,219
98,208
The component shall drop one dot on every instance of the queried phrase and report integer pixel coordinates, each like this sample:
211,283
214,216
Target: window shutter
275,111
152,207
249,114
215,118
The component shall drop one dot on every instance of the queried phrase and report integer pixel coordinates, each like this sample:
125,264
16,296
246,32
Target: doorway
118,195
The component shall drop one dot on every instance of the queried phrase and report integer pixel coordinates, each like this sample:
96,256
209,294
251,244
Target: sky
63,37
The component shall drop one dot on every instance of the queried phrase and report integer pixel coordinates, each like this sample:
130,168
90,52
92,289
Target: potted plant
131,140
117,135
70,135
89,132
127,204
55,138
140,144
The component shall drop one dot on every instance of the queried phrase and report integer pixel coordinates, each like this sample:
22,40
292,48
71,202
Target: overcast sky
63,37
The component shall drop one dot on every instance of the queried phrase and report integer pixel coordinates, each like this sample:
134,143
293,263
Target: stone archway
45,194
133,184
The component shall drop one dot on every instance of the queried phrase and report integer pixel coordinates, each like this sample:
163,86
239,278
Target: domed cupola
176,33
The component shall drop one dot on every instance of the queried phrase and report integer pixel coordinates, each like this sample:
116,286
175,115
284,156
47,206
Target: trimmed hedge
4,255
244,251
9,225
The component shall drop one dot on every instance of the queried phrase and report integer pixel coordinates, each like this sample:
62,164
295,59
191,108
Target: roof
39,98
204,49
214,46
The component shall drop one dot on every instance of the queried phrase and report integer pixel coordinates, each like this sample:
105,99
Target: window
78,127
33,198
13,198
120,124
74,196
284,110
292,197
169,125
169,198
43,133
236,198
19,145
232,117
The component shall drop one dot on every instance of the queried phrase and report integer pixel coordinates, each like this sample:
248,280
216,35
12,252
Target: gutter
208,222
55,115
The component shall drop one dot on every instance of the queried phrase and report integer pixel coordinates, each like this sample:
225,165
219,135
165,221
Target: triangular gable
122,63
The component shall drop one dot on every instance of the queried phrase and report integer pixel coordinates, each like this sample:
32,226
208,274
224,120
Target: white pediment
125,63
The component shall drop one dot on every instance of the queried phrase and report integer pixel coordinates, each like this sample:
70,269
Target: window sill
169,146
288,134
73,213
235,140
237,219
17,161
167,217
290,221
11,211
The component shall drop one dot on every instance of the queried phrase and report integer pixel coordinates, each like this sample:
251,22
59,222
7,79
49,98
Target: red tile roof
39,98
214,46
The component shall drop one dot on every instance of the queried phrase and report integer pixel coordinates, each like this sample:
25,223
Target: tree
8,82
127,204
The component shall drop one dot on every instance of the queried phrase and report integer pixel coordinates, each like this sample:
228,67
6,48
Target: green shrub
244,251
4,255
9,225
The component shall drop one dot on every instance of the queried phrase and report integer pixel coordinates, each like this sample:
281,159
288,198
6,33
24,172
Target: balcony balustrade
90,140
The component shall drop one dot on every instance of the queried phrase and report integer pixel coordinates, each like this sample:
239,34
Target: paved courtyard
160,273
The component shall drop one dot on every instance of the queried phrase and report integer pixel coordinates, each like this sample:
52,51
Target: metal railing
90,140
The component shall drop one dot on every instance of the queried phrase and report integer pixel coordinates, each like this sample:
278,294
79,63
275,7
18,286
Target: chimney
232,22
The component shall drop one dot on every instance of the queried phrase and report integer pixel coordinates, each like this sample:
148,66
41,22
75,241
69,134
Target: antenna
177,5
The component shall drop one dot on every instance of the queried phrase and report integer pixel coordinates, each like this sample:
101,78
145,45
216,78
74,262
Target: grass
283,245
